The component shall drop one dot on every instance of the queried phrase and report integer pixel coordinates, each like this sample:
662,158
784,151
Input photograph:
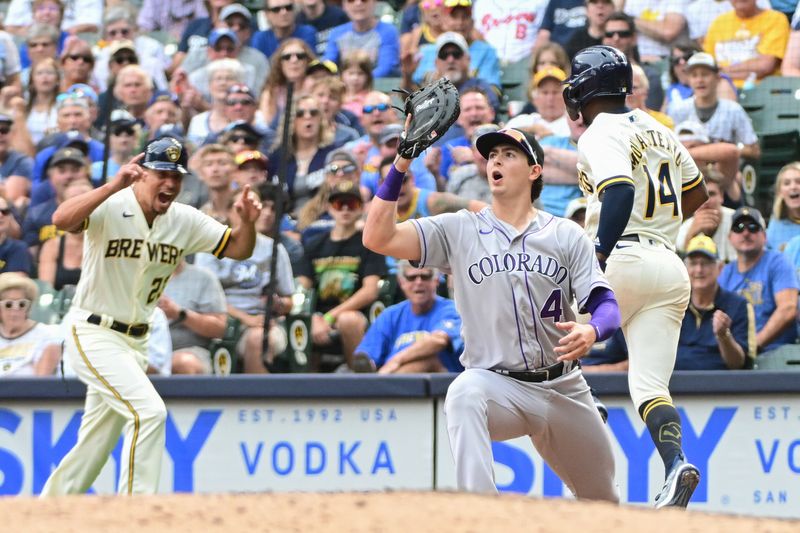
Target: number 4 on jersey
666,192
552,306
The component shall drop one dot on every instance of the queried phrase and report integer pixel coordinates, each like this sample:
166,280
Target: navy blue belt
132,330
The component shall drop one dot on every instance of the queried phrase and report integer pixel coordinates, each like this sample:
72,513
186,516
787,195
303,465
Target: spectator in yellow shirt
748,41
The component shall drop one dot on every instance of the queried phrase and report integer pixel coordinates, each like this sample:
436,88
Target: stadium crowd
87,83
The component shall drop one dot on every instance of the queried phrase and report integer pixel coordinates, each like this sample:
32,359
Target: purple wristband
390,188
605,313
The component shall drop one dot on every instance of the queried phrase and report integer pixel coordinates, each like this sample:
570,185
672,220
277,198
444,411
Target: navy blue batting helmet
597,71
165,153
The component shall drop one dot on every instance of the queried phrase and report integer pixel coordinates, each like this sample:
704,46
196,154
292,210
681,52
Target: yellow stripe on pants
118,397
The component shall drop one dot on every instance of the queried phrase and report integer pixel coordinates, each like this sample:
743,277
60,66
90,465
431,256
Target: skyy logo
48,450
637,448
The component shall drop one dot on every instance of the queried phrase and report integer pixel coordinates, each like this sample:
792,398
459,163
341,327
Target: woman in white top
27,347
42,92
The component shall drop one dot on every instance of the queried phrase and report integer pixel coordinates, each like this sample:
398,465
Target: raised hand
129,173
248,206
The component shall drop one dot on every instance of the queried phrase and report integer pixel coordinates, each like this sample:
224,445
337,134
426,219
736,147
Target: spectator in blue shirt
783,225
718,329
366,33
323,17
281,18
16,168
765,278
561,20
14,255
419,334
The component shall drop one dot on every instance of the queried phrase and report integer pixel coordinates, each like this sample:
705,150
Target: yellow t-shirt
662,118
732,40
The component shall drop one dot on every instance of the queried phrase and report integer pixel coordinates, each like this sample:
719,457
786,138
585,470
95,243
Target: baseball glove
433,109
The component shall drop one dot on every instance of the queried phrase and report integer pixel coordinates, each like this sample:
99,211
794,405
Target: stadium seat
514,81
224,359
45,308
773,105
297,355
387,85
787,357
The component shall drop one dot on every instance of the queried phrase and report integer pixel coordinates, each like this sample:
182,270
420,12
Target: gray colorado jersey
504,277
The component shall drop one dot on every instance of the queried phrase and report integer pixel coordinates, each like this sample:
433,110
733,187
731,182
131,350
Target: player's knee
155,413
464,395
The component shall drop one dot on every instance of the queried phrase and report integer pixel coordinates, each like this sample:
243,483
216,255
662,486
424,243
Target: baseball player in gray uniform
640,182
516,270
135,238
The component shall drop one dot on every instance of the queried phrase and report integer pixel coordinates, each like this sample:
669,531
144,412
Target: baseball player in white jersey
135,237
516,271
641,183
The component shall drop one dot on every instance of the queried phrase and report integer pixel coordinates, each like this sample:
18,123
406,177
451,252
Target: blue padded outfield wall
366,432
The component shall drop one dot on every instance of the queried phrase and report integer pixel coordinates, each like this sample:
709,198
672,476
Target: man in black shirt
344,273
597,13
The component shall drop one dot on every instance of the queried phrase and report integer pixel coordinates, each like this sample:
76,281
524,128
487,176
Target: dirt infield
402,512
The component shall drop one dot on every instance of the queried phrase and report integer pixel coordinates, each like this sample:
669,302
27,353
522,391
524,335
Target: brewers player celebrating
135,237
641,183
516,270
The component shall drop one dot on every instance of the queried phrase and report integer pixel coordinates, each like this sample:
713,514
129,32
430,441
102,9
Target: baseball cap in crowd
247,156
121,118
116,46
324,66
748,213
170,130
68,155
522,140
234,9
163,96
691,130
575,205
219,33
84,91
702,245
245,126
481,130
340,155
549,73
345,189
71,99
451,37
702,59
389,132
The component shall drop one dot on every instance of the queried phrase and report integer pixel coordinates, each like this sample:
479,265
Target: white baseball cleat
679,486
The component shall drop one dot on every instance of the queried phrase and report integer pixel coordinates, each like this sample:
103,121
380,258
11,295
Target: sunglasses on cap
751,227
239,101
351,202
427,276
367,109
622,34
345,169
519,137
22,304
239,88
285,7
76,98
455,53
300,56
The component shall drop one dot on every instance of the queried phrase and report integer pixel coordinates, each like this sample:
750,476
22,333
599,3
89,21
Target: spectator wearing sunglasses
310,143
620,32
366,32
27,347
344,273
14,255
119,24
716,332
289,64
77,63
41,42
283,25
323,16
388,142
765,278
123,143
241,135
418,335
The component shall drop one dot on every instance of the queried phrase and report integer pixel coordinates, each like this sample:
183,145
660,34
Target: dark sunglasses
367,109
422,277
122,32
680,59
5,129
455,53
285,7
300,56
81,57
246,139
123,131
346,169
622,34
350,202
307,113
125,59
242,102
16,304
5,211
752,227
